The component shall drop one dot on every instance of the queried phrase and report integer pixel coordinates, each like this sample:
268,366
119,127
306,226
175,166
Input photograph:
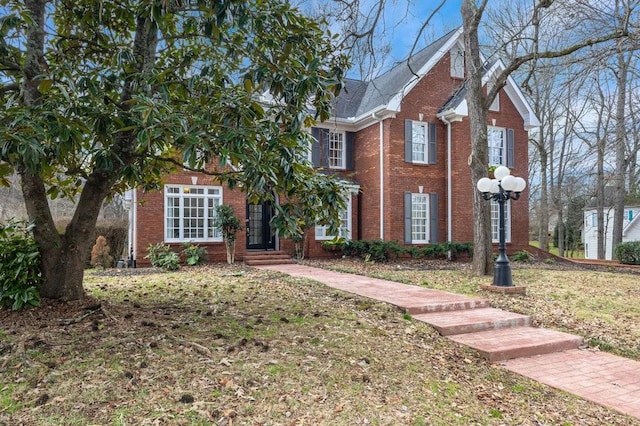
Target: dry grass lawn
221,345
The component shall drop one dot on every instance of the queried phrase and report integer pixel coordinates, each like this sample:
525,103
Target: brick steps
473,320
507,343
497,335
262,258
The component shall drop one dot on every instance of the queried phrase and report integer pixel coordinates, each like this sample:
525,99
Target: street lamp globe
500,172
484,184
509,183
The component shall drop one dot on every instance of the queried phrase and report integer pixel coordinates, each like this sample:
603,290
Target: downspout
133,227
381,138
449,185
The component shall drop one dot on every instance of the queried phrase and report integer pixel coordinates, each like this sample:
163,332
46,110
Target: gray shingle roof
359,97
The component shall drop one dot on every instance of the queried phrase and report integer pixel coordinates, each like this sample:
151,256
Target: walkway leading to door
545,355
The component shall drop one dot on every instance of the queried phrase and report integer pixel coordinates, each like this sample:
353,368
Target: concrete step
507,343
472,320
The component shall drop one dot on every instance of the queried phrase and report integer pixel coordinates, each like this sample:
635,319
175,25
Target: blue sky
404,23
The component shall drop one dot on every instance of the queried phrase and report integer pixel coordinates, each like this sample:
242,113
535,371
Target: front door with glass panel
260,236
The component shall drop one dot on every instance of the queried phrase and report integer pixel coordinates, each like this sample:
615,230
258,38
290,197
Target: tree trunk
231,251
63,256
478,161
600,184
619,193
543,214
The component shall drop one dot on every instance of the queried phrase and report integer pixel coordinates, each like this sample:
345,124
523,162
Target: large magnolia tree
101,96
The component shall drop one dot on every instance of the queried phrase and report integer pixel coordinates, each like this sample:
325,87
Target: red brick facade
421,103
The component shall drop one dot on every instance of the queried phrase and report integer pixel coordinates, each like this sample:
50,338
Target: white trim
381,128
427,218
182,195
503,155
507,231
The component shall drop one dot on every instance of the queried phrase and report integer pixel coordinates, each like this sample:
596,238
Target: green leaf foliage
231,81
193,254
161,256
628,252
19,266
99,97
382,251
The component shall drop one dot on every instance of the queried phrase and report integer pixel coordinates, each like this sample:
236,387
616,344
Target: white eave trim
516,96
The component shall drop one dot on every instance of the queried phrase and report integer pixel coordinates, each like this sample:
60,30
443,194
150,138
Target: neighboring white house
630,229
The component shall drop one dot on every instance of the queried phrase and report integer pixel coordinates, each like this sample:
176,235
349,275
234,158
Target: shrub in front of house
161,256
193,254
100,253
20,272
628,253
382,251
522,256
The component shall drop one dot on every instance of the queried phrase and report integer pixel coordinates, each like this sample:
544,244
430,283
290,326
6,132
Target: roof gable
456,105
387,90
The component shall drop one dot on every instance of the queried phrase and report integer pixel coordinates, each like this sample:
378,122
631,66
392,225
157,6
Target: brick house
401,141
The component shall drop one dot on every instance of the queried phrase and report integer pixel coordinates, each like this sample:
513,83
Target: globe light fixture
503,188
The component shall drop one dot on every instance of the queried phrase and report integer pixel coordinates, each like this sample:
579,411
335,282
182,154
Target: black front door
259,233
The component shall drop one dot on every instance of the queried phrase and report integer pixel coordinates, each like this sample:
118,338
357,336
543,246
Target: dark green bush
382,251
161,256
628,253
20,273
522,256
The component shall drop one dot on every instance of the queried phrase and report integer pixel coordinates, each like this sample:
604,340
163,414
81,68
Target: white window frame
497,147
210,197
457,62
420,218
322,231
495,222
337,150
419,146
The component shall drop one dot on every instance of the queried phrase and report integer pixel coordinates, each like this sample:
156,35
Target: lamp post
501,189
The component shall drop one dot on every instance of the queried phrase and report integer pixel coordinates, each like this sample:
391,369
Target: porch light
503,188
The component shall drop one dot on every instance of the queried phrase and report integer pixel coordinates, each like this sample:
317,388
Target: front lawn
222,345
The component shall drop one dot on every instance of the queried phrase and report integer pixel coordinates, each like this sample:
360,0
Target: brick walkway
544,355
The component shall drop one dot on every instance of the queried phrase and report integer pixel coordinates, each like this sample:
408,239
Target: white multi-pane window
189,213
495,221
336,150
419,142
420,218
323,232
496,139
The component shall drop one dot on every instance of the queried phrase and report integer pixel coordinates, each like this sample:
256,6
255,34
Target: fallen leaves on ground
226,345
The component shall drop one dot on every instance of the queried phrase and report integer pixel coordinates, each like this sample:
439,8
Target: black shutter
324,144
432,153
407,218
408,138
433,218
315,147
510,149
350,136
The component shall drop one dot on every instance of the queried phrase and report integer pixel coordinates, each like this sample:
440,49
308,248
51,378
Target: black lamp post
501,189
